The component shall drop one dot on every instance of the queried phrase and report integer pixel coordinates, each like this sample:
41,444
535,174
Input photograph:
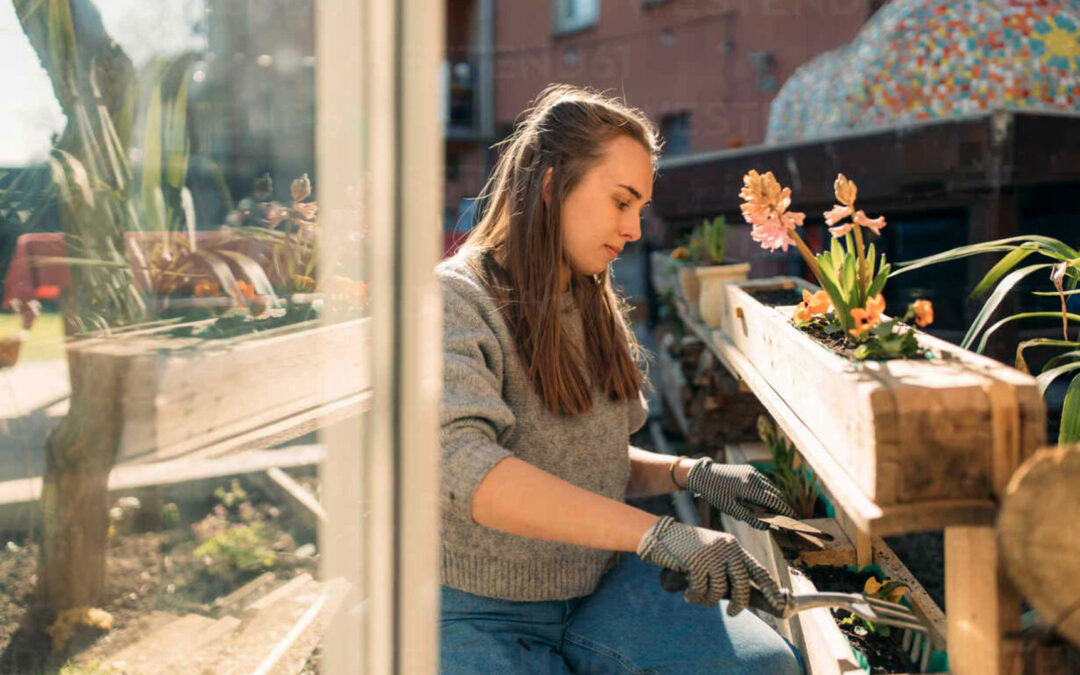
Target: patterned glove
715,565
734,489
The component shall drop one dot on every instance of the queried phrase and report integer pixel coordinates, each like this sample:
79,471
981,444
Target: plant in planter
1062,263
798,485
850,309
706,270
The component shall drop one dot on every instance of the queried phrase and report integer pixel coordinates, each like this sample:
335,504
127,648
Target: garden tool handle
674,581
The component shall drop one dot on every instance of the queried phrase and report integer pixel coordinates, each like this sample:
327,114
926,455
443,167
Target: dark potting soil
923,553
885,653
775,297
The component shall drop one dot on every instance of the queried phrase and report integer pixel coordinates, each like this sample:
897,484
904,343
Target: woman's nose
630,228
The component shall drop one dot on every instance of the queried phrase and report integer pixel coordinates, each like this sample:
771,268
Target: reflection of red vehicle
28,280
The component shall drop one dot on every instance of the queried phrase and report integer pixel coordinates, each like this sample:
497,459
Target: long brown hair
520,241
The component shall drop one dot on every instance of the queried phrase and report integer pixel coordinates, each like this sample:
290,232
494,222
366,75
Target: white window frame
570,16
378,128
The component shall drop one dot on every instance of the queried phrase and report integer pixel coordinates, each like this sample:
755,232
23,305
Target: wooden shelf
864,514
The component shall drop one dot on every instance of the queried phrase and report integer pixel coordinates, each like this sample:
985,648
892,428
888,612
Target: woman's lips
612,252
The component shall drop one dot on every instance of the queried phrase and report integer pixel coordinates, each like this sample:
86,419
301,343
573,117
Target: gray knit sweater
491,411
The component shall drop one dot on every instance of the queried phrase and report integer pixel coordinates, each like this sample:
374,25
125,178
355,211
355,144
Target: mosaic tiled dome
928,59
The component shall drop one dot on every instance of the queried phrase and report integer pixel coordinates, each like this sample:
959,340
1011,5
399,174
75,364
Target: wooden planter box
927,433
824,647
179,394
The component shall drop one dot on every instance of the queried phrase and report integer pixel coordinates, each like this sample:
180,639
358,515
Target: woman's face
603,212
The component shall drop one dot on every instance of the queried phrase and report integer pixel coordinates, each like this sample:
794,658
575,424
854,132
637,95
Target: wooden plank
839,552
921,603
747,453
860,515
153,653
908,430
238,600
826,650
168,403
303,503
983,606
266,638
19,506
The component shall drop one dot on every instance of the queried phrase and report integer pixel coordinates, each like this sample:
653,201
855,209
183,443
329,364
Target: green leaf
1015,317
1069,429
1055,294
1047,376
999,270
878,284
1061,358
1000,291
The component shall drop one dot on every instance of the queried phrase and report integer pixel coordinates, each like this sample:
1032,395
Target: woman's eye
623,205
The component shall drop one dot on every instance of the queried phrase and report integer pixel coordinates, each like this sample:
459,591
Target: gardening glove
714,563
737,489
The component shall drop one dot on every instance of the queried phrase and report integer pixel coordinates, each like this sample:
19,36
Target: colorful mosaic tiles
928,59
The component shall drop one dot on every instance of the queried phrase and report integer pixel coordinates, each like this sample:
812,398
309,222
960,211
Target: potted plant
705,269
920,429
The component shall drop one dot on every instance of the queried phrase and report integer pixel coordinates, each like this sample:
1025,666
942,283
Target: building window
574,15
675,129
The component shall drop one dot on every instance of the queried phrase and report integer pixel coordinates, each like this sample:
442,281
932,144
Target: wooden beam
983,607
19,506
303,503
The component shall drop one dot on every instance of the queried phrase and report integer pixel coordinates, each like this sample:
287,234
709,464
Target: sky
29,113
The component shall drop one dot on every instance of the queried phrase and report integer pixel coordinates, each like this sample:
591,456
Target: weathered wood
842,445
921,603
815,632
839,552
190,632
303,503
1039,535
907,430
170,403
983,606
19,498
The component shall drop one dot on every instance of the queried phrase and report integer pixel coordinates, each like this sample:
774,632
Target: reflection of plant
233,536
1062,263
798,486
706,245
889,590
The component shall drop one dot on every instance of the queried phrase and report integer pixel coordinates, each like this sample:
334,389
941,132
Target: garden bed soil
150,577
884,653
923,553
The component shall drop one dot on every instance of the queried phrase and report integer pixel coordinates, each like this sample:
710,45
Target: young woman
545,568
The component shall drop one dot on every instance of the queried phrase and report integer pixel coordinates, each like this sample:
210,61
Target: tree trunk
78,458
92,76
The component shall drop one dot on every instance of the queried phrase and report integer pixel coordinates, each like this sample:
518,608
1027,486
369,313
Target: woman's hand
737,490
715,565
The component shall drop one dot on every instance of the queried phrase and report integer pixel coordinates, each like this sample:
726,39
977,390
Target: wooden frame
814,632
377,132
984,608
927,441
169,388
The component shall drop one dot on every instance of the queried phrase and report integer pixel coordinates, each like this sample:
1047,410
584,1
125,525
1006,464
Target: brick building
704,70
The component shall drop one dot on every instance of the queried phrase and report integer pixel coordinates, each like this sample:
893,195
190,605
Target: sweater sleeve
473,416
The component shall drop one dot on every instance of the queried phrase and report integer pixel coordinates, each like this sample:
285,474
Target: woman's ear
545,188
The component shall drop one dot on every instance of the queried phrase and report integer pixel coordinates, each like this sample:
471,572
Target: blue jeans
629,624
